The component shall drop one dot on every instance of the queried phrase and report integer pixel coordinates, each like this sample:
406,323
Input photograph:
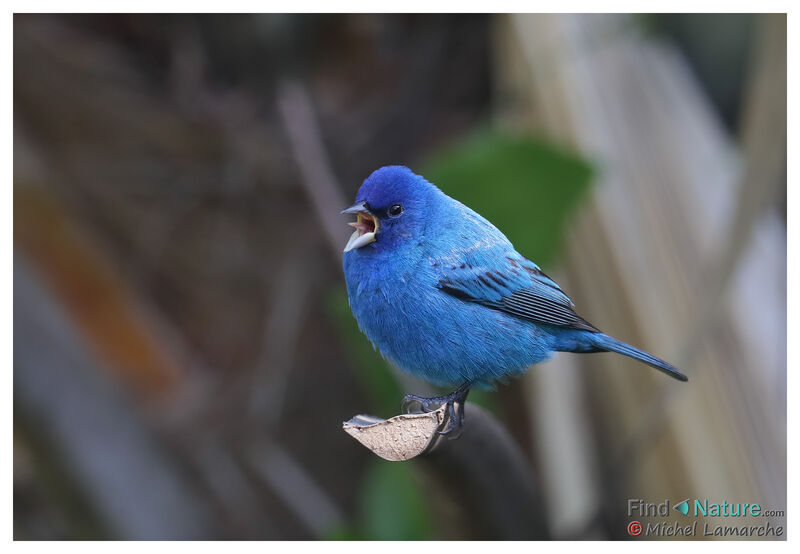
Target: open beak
366,226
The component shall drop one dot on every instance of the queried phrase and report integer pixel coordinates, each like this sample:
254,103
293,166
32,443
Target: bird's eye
395,210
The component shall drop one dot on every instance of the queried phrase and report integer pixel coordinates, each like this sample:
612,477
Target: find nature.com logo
701,508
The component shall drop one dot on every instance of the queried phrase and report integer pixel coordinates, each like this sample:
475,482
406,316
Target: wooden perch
484,469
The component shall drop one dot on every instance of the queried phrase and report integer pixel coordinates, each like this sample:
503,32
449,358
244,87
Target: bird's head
391,209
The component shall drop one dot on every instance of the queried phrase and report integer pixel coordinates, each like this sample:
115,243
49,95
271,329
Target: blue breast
430,334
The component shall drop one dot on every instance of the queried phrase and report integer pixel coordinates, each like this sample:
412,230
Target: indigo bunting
444,296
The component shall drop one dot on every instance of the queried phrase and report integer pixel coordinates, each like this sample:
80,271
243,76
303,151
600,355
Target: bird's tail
605,343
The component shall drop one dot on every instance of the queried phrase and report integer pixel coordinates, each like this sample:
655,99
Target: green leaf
523,185
343,532
392,504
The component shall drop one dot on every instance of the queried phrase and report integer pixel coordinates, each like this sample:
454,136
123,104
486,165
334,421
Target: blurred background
184,353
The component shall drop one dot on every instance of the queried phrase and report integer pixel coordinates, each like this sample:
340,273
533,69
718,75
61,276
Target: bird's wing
509,282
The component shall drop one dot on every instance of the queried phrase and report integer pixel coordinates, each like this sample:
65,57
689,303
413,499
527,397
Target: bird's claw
454,421
412,403
454,409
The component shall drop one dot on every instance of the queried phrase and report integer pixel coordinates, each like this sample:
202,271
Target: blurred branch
288,303
139,491
490,478
317,177
484,470
234,491
285,477
764,172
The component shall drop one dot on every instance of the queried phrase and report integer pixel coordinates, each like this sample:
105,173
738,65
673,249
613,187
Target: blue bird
444,296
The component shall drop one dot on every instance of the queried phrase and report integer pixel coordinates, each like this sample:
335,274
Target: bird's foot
454,408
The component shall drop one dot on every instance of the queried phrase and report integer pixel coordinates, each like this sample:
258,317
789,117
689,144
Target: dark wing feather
526,304
520,289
